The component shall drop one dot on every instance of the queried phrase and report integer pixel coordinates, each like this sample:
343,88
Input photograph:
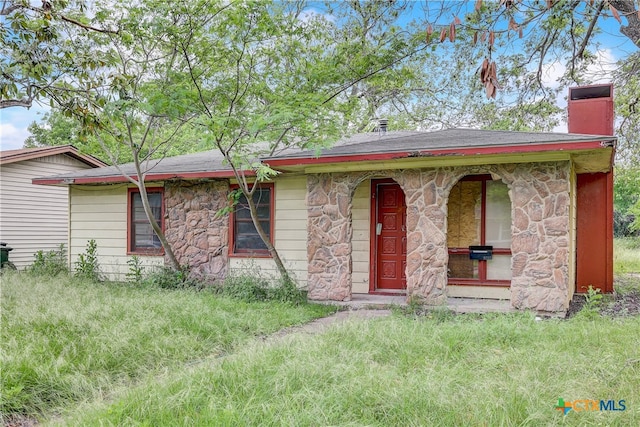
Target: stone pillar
199,237
329,232
426,234
540,236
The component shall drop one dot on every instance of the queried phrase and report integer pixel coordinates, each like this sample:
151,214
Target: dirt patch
624,302
623,305
18,421
575,305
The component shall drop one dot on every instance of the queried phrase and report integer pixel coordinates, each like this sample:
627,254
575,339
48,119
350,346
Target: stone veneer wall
540,231
199,237
329,232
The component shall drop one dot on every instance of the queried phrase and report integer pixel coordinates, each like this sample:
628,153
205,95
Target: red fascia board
471,151
149,177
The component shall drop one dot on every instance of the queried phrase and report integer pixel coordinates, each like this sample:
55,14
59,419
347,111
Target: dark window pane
143,236
242,212
264,212
246,237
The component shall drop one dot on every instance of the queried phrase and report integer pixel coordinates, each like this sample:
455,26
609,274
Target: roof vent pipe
382,126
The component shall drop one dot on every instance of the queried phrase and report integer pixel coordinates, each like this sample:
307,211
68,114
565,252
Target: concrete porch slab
457,305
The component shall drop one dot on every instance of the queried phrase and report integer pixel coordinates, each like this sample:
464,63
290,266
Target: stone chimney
591,109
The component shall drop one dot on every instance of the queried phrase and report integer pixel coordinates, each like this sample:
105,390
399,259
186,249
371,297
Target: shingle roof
210,164
203,164
22,154
391,142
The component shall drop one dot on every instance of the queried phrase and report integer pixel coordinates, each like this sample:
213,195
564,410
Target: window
141,237
245,240
479,215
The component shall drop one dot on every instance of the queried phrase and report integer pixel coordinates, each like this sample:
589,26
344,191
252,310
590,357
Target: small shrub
592,303
136,270
287,291
252,287
51,263
87,266
593,298
245,287
169,278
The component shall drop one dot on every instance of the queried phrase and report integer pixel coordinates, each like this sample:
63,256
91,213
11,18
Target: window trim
130,242
232,226
482,265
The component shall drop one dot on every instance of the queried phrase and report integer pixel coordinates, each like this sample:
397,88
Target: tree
251,79
45,52
54,129
269,78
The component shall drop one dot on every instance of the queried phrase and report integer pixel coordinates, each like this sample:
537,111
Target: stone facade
199,237
329,232
540,201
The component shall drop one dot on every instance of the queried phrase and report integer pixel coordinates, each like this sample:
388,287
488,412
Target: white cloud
601,71
12,137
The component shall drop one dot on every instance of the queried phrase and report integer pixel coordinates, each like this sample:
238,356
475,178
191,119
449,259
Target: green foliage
46,55
136,269
627,99
593,298
50,263
249,285
87,265
170,278
626,200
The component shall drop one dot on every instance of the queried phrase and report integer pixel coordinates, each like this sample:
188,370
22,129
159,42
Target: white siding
34,217
100,213
290,232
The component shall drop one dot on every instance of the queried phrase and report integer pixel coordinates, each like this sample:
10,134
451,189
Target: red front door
388,237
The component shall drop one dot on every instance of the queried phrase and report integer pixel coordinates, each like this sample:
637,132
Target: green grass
626,255
467,370
66,341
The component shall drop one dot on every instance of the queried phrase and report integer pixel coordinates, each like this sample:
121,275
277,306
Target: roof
449,141
22,154
207,164
368,147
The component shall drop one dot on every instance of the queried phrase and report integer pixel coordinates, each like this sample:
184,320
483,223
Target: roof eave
470,151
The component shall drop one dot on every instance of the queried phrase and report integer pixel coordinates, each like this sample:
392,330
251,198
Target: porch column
329,231
426,234
540,236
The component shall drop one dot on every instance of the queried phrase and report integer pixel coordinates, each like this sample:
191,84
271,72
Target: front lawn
441,370
626,255
66,341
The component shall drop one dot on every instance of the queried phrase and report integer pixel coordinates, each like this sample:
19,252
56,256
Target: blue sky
15,120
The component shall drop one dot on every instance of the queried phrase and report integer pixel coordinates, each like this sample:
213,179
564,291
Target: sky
614,46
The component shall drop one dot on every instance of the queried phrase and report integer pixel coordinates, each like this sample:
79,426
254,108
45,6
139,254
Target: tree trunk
628,9
156,227
284,274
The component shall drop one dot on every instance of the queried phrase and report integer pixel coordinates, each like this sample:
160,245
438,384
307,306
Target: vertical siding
361,249
34,217
290,232
100,213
